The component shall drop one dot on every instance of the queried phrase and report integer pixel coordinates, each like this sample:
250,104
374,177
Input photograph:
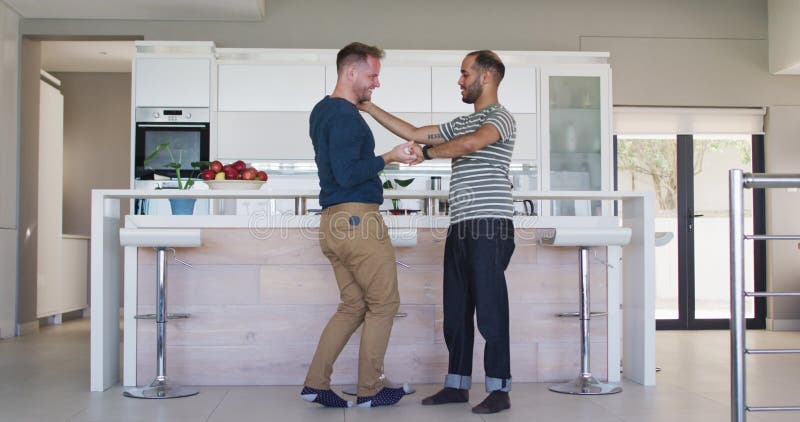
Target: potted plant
180,206
392,184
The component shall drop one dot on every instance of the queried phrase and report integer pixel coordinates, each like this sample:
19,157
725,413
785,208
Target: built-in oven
186,130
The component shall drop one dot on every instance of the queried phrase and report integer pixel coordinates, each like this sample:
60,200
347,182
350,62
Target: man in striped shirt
480,239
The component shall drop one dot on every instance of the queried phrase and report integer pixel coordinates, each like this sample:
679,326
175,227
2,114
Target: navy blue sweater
344,150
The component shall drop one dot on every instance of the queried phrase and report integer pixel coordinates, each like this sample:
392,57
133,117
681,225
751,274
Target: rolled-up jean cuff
462,382
498,384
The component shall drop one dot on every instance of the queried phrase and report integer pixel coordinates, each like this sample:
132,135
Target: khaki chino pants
356,241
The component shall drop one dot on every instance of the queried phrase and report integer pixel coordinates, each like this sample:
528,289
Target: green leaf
159,148
403,182
200,164
189,184
388,185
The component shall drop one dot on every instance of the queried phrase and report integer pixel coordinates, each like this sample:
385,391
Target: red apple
231,174
239,165
249,174
208,174
262,175
215,166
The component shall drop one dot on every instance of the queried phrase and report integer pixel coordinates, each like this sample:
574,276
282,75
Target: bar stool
584,239
161,240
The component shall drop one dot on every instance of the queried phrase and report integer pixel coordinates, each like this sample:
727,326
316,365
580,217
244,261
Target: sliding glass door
689,174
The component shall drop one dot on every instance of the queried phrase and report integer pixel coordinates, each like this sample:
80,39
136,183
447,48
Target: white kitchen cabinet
576,134
50,201
385,140
172,82
8,282
403,89
264,135
446,94
9,130
284,135
526,144
61,261
517,91
270,87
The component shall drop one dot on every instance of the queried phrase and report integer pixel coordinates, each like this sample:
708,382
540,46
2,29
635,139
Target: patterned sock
326,398
385,397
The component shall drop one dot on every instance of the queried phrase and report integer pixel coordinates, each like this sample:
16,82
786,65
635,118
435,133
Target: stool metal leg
161,387
585,383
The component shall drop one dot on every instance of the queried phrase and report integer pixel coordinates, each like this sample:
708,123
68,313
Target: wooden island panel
259,301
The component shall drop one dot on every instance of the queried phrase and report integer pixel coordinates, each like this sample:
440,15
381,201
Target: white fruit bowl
234,184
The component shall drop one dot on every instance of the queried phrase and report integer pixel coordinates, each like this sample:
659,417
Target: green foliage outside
656,159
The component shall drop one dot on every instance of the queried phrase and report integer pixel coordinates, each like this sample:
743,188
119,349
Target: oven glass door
188,142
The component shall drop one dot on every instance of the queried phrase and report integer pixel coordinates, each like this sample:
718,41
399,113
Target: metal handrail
771,351
738,181
771,294
772,237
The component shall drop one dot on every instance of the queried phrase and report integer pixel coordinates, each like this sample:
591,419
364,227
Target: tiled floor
45,377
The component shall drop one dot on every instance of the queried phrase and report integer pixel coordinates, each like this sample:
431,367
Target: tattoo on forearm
434,136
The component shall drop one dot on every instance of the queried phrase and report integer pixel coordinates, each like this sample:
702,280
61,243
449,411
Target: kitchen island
261,291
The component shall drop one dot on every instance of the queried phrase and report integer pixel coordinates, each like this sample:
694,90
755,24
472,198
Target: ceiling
87,56
116,56
190,10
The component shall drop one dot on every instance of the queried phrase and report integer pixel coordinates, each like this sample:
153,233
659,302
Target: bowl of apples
233,176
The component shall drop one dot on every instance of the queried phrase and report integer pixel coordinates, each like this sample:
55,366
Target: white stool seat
590,236
662,238
167,238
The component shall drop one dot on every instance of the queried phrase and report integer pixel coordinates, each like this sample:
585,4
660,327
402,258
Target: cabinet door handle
401,315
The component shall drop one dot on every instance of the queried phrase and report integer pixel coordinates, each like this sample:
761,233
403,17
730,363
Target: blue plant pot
182,206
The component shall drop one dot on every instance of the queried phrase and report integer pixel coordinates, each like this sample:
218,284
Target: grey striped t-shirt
479,186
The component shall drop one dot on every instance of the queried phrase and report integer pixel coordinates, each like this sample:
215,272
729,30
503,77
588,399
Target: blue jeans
476,255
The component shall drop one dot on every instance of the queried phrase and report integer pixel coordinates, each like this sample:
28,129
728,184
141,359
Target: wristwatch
425,151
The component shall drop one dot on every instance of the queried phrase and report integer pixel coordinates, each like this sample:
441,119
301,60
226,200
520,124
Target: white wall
783,257
97,140
784,35
9,157
447,24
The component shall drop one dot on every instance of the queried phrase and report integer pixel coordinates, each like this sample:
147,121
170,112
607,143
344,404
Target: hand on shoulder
364,106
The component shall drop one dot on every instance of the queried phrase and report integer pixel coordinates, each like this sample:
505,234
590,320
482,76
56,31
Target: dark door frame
685,237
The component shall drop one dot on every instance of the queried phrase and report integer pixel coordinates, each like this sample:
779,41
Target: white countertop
268,193
257,220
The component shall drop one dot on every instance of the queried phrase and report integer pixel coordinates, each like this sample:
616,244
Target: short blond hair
356,52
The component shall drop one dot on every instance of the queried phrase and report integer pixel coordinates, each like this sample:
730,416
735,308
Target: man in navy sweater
353,235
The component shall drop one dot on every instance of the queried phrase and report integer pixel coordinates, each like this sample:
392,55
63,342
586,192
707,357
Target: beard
364,93
472,92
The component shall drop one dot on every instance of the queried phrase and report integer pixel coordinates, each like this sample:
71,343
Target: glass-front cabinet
576,129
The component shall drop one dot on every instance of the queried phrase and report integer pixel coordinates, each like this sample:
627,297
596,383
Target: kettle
529,207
